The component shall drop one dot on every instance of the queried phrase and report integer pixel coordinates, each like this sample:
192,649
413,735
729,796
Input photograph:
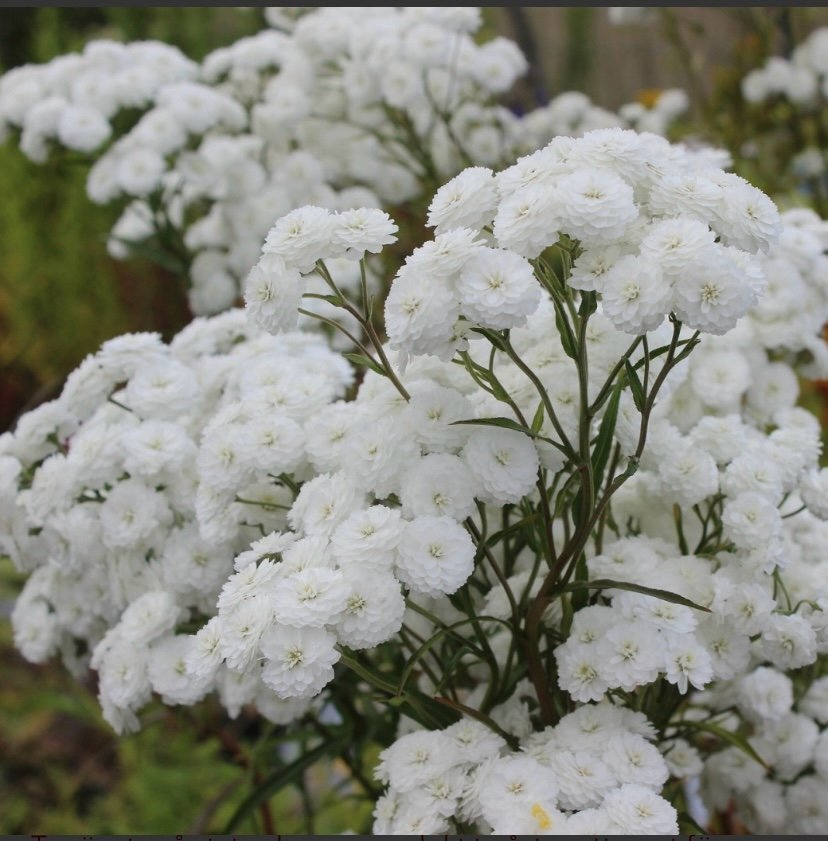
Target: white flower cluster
392,483
787,795
72,99
657,231
802,79
727,438
595,773
217,152
128,498
573,113
275,286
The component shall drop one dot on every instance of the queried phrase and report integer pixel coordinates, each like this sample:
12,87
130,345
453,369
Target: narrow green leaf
497,389
366,362
580,597
687,350
334,300
493,337
567,339
537,420
607,584
653,354
372,676
282,777
635,386
603,443
726,736
508,423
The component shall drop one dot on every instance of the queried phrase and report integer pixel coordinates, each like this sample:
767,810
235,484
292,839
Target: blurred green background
62,770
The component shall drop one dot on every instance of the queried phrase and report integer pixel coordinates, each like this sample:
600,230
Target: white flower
150,616
673,243
82,129
814,492
368,538
414,759
302,237
592,266
204,655
242,627
169,675
164,389
688,475
751,520
36,630
583,778
712,292
690,194
132,514
156,445
635,295
273,294
662,614
474,740
312,597
431,413
498,289
469,200
139,172
753,472
631,655
272,444
374,608
580,671
528,220
596,206
789,642
728,648
300,661
420,312
765,694
636,810
747,219
516,785
634,760
435,555
328,433
815,701
323,503
363,229
503,462
720,379
438,485
683,760
687,661
122,675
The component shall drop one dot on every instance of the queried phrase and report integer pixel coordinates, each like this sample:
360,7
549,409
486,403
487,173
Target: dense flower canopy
558,509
